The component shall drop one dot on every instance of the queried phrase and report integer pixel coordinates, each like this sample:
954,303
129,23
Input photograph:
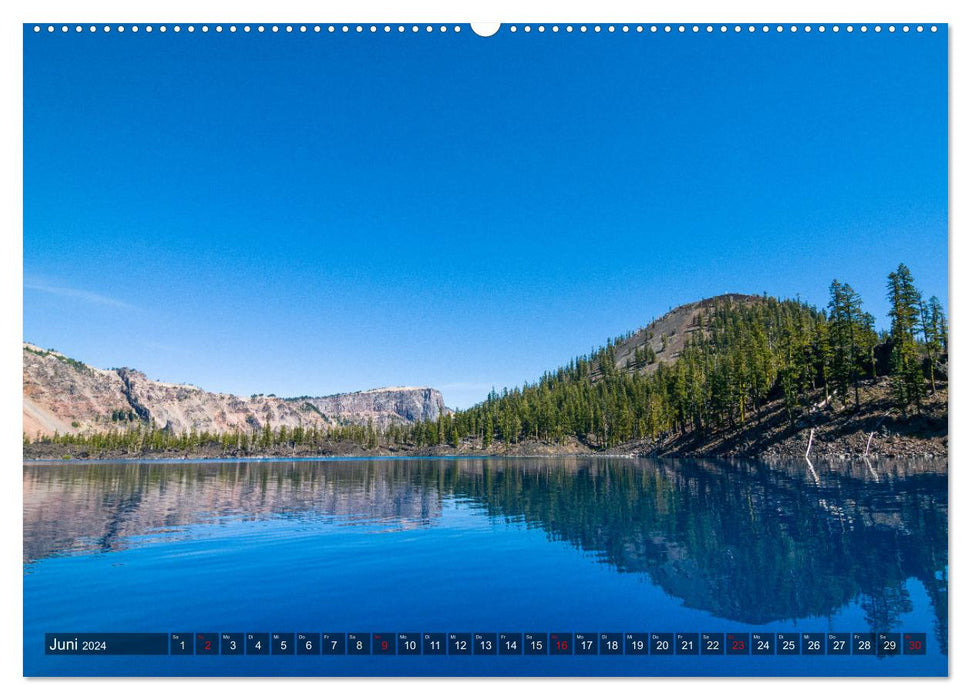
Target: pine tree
934,331
849,330
904,357
488,431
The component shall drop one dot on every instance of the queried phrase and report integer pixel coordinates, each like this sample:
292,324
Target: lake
565,545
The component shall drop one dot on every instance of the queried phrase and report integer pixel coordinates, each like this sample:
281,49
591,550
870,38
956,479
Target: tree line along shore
753,376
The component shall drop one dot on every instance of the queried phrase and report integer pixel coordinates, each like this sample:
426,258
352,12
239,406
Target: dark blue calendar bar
103,644
478,644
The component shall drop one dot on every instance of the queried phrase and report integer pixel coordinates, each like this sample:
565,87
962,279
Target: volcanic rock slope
667,335
67,396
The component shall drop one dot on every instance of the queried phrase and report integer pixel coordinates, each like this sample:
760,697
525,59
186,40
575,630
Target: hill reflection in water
748,542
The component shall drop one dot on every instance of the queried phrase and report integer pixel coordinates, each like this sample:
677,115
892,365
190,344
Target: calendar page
519,349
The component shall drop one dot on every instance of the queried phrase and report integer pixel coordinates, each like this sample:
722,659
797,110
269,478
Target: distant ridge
64,395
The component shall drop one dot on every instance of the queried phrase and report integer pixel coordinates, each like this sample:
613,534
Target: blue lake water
485,545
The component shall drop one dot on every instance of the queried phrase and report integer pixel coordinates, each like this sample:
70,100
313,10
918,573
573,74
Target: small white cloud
82,294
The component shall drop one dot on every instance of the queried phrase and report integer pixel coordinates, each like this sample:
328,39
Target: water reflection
747,542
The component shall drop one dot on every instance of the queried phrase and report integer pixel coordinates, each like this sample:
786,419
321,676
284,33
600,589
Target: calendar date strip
487,643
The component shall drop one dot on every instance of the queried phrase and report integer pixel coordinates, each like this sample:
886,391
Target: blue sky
308,214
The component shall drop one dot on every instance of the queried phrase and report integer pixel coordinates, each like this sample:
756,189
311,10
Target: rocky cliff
67,396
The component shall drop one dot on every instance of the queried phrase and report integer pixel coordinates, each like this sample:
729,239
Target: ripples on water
746,542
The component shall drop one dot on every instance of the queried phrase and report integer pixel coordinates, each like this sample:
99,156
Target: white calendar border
602,11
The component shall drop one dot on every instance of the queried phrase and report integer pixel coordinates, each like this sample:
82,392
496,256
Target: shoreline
835,431
896,447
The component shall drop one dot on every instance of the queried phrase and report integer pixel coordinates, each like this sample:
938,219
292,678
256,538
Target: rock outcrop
67,396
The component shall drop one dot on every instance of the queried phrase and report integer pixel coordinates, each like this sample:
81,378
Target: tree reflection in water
749,542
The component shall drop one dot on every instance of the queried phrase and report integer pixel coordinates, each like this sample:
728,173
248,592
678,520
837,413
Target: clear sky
316,213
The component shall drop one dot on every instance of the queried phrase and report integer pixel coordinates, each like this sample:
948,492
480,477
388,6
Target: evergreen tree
934,331
849,328
904,355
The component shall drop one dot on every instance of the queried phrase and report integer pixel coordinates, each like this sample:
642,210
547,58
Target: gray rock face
67,396
402,404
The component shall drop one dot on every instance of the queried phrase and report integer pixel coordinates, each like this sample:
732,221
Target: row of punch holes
512,28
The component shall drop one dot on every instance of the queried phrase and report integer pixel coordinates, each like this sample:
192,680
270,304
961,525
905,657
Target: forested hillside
738,354
730,374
